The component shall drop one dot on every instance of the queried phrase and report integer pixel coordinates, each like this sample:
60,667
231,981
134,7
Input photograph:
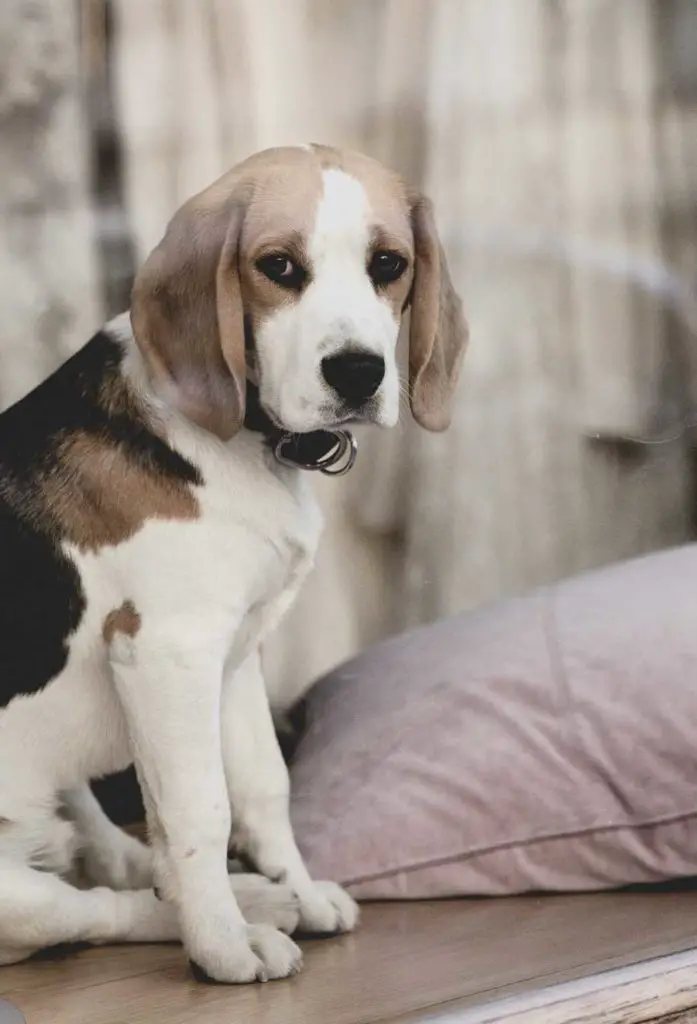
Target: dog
156,522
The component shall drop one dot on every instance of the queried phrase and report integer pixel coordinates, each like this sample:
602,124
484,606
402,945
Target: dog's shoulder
82,460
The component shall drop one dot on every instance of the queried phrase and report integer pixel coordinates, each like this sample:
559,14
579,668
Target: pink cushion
548,742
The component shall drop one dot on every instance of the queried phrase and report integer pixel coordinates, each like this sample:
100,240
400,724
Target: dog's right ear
187,313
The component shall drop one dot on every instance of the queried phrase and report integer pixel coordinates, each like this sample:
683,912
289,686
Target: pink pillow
548,742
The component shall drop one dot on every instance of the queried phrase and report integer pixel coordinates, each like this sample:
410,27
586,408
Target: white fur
339,306
207,592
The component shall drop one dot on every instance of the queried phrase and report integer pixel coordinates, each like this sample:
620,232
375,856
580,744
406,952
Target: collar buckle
337,461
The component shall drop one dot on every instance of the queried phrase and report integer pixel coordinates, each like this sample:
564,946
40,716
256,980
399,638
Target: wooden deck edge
648,991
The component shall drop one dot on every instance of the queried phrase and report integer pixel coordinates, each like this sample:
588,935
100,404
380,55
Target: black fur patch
41,605
41,597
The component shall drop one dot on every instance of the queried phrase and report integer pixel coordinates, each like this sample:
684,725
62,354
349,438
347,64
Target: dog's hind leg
39,909
110,856
114,859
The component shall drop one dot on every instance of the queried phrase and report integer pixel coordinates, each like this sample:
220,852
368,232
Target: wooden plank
656,990
405,959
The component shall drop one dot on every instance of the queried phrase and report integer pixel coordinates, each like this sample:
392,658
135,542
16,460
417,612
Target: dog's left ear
188,317
438,331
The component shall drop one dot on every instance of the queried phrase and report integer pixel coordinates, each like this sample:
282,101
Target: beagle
156,523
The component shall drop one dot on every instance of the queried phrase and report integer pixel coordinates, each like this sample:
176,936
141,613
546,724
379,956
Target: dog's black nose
354,375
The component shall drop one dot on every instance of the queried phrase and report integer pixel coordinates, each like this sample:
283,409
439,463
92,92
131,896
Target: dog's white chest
220,577
273,545
239,565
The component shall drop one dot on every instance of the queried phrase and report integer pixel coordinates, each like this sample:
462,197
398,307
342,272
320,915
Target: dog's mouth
334,418
354,420
328,418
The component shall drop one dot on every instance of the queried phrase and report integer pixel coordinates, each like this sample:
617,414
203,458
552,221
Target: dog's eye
386,266
281,269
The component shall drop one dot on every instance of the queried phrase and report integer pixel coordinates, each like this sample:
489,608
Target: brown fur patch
99,496
125,619
102,466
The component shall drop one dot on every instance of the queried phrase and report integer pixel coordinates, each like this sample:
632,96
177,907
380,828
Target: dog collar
332,452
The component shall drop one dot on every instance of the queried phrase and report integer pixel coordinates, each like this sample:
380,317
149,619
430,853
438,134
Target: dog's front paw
327,911
278,955
261,953
265,902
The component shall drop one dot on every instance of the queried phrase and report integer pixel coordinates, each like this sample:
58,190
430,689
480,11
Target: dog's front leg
258,786
170,691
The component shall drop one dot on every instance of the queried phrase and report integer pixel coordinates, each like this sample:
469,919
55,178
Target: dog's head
299,264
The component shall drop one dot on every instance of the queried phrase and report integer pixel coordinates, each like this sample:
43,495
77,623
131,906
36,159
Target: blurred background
558,140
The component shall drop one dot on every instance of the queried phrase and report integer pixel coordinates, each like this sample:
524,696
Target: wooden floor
406,962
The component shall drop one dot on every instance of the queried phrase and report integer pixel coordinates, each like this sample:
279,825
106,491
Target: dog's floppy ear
438,331
187,314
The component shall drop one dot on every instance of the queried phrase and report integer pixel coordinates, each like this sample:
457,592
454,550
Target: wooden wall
48,290
558,140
